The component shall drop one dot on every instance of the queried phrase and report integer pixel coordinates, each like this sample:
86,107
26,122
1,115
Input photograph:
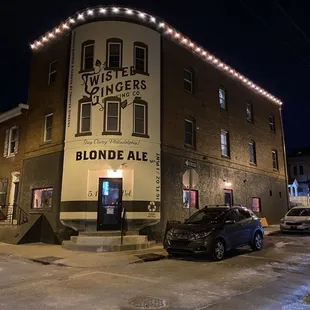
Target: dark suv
216,230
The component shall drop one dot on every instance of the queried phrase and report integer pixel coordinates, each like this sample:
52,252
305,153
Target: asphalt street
278,277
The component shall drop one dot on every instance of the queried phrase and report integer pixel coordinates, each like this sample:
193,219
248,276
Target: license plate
293,227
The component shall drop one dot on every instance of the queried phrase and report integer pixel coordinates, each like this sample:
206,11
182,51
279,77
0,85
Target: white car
297,219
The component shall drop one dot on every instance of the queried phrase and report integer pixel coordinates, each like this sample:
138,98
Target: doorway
15,199
109,204
228,197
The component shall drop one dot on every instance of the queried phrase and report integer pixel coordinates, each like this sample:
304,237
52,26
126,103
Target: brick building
127,112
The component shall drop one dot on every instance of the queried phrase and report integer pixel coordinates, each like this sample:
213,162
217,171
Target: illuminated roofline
164,28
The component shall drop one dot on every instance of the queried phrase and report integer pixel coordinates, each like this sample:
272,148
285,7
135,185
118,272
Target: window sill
275,170
86,70
253,164
188,146
141,135
10,156
250,122
46,142
141,72
83,134
111,133
225,156
188,92
223,109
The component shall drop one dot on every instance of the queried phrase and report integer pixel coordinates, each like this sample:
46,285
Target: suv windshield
207,216
299,212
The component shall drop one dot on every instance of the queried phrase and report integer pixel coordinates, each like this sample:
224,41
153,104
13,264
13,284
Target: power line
283,40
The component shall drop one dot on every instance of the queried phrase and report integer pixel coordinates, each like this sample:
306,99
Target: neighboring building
122,106
13,126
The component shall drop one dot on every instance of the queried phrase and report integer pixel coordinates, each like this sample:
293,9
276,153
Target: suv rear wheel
218,251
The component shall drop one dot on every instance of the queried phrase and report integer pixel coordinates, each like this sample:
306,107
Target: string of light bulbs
163,27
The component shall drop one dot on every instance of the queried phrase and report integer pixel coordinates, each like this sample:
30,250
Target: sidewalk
272,229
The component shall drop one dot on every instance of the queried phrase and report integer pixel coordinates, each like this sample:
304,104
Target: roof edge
13,112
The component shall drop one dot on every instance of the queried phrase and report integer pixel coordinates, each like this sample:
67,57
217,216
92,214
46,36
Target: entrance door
15,197
109,204
228,197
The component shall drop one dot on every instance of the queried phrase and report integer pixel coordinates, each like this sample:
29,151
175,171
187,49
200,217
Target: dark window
280,194
233,215
256,205
88,48
249,112
295,170
252,151
299,212
225,149
301,170
48,123
222,98
270,192
114,53
140,116
244,214
228,197
112,116
3,191
275,164
188,81
271,123
141,57
300,190
189,132
52,72
85,117
11,142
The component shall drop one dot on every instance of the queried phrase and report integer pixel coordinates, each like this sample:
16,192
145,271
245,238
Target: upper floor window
301,170
225,149
275,163
87,59
249,112
85,117
295,170
222,98
188,81
271,123
189,133
252,151
114,53
52,72
11,142
48,123
140,57
140,118
112,121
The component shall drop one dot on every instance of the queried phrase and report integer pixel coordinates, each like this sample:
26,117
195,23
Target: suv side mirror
229,222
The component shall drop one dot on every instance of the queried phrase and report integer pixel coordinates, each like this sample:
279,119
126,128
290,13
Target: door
15,198
247,226
232,229
228,197
109,204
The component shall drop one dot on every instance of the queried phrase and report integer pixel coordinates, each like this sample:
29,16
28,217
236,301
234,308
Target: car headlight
202,234
169,233
307,222
282,221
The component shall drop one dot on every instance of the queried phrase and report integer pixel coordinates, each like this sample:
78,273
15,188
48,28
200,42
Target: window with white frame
271,123
188,80
114,53
275,163
52,72
88,48
11,141
189,132
140,119
85,117
140,57
225,151
48,124
252,152
112,116
249,112
222,98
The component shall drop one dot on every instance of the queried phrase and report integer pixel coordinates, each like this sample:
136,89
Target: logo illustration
152,207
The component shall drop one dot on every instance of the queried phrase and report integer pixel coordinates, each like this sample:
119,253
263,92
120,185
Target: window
280,194
42,198
3,190
232,215
222,98
189,133
300,190
271,123
88,48
140,118
188,81
48,123
140,57
301,170
252,151
295,170
244,214
85,117
228,197
275,164
190,196
11,142
270,193
249,112
225,143
112,116
114,53
52,72
256,205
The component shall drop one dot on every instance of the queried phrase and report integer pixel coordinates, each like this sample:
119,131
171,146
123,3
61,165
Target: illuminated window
48,123
252,151
42,198
189,132
275,164
52,72
190,197
85,117
271,123
225,150
140,57
114,53
249,112
188,81
256,205
222,98
87,59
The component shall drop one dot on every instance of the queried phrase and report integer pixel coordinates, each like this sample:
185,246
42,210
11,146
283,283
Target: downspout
284,159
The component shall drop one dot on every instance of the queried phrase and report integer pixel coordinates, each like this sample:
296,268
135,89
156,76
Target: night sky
266,40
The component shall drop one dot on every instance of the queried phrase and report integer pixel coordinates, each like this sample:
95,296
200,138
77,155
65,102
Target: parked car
216,230
297,219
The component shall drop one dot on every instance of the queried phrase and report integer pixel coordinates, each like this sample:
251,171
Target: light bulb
129,12
115,10
80,16
90,12
102,10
